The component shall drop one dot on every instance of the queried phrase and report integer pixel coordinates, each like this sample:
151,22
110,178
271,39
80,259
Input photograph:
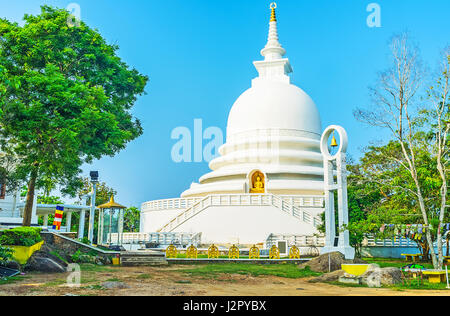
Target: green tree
103,195
398,109
103,192
66,99
131,220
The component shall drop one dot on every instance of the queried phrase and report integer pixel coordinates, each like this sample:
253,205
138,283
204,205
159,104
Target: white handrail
169,204
281,203
184,203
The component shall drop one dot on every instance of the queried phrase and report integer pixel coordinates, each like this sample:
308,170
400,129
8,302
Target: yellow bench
410,257
447,259
435,276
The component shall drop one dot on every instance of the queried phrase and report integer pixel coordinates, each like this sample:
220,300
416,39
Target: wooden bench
435,276
411,257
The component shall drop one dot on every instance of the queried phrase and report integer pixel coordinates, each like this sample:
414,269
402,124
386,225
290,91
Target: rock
49,252
376,277
328,277
117,248
44,260
328,262
45,265
115,285
13,265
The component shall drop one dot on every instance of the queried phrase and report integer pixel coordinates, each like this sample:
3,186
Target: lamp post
94,181
82,218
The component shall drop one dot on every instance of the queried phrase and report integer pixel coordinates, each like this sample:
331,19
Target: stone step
129,259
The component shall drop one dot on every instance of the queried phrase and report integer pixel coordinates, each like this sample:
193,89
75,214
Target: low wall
249,261
390,252
69,245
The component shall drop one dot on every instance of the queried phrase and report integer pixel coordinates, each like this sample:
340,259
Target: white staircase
284,204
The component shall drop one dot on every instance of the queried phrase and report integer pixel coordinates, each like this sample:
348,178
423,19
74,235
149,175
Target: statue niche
257,186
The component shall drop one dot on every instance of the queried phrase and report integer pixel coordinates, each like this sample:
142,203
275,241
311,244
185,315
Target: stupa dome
270,105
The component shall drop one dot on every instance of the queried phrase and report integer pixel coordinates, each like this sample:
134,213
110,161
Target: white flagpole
446,272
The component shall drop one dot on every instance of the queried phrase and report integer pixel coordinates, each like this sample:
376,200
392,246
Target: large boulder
45,265
45,260
328,277
376,276
328,262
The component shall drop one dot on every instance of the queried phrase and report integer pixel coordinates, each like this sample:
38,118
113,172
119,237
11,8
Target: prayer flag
58,218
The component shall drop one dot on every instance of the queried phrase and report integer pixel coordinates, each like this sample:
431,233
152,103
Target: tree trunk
28,211
448,244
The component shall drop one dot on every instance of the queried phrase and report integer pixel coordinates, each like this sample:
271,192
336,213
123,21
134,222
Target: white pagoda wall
233,224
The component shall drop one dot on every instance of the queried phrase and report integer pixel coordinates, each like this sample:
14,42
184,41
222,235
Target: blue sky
198,55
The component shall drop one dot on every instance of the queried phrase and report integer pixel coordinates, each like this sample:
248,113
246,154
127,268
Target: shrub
20,236
6,254
85,241
80,257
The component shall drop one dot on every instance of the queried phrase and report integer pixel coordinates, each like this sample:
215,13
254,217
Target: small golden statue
294,253
253,253
213,252
171,252
233,253
274,253
258,183
191,252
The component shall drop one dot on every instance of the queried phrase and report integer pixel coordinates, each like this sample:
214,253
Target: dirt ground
166,281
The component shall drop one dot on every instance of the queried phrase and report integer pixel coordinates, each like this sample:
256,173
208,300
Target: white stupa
269,176
274,127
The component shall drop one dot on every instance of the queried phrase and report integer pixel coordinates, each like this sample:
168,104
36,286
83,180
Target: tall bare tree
438,119
397,109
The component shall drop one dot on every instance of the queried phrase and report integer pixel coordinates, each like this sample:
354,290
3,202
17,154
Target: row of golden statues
233,252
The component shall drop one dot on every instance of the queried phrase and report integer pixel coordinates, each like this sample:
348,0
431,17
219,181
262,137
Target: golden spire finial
273,16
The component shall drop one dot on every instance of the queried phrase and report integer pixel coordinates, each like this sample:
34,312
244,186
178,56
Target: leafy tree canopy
65,99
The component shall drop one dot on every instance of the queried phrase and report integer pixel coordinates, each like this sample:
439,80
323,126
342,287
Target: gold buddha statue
258,186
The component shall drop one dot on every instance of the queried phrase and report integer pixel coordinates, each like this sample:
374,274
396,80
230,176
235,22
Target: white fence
393,242
297,240
170,204
316,201
160,239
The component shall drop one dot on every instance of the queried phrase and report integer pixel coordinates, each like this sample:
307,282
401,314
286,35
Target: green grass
183,282
281,270
88,267
13,279
144,276
57,255
56,282
424,285
203,256
337,283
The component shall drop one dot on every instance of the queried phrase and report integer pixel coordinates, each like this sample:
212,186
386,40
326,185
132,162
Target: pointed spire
273,49
274,67
273,16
